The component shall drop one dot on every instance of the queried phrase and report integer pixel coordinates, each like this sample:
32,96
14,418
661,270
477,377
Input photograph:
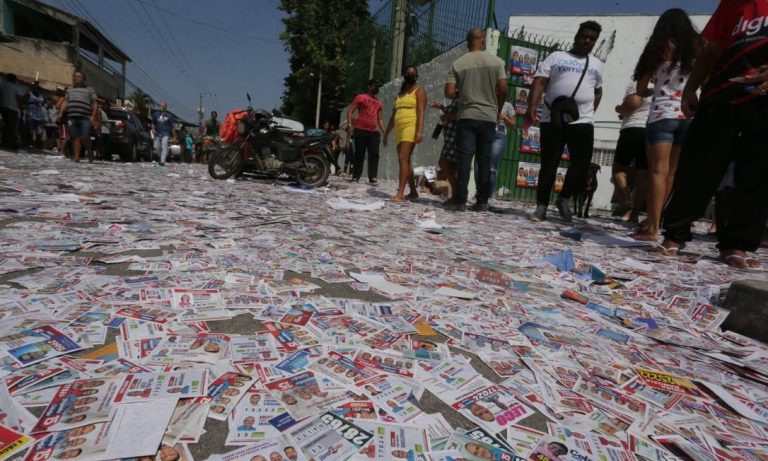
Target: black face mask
374,91
410,79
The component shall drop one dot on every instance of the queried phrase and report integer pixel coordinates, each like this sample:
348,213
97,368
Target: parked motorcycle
264,148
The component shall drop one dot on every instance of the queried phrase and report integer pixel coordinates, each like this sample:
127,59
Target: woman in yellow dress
408,122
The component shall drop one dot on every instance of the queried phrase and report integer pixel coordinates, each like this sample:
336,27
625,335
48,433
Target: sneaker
448,202
565,207
539,215
455,206
480,206
373,182
355,180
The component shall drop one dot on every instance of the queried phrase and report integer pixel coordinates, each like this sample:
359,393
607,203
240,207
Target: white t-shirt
639,117
507,110
564,70
668,85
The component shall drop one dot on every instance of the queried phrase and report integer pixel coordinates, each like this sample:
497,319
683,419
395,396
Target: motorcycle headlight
241,128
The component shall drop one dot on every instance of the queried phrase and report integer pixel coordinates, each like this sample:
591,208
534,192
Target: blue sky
225,48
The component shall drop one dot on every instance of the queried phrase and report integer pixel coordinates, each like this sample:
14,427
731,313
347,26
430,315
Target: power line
211,26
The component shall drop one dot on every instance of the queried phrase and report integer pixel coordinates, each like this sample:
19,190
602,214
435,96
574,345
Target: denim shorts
666,131
79,127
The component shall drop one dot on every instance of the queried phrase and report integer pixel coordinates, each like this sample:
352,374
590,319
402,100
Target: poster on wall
530,141
527,175
522,60
560,179
521,100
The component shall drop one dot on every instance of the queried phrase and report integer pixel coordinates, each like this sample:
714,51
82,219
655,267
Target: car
127,135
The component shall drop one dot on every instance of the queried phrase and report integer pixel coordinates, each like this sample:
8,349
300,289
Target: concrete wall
25,57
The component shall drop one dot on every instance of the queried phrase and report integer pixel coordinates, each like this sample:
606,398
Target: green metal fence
417,30
519,166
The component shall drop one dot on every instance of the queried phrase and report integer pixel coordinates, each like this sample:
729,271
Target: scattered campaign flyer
82,402
41,344
385,361
248,349
329,437
492,407
303,396
187,420
249,421
209,348
393,441
472,449
226,391
183,299
277,448
392,394
299,314
12,442
145,314
140,387
85,442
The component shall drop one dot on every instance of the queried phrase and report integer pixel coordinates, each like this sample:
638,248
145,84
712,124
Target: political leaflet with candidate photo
226,391
472,449
392,441
386,361
492,407
140,387
329,437
12,442
302,395
249,421
209,348
186,424
145,314
256,348
393,394
89,441
82,402
299,314
183,299
41,344
522,60
277,448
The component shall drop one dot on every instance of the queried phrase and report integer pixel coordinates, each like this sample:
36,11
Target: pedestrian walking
342,147
407,119
50,114
34,116
62,131
666,63
81,108
479,81
162,129
189,143
12,101
630,152
572,83
729,125
102,131
499,146
366,131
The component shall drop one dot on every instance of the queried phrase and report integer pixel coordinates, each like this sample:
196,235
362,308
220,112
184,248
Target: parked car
127,135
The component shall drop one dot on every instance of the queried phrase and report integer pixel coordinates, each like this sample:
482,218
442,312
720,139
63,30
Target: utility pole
491,13
398,42
319,94
373,59
200,107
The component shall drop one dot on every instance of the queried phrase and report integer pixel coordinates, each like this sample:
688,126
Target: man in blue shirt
162,129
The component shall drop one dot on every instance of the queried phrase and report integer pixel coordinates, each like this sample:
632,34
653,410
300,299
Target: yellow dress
405,117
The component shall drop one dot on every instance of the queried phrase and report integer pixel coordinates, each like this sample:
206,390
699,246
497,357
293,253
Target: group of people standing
693,123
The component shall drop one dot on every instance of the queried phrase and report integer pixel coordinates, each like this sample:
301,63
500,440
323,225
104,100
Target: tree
141,102
317,35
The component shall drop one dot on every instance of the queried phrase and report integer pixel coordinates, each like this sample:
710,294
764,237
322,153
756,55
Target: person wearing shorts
630,151
448,156
81,109
666,63
729,126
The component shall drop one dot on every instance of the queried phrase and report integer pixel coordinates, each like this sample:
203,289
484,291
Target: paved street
86,240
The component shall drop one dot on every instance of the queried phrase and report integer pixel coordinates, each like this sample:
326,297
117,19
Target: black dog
587,191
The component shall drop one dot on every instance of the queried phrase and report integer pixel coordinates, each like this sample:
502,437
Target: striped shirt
80,100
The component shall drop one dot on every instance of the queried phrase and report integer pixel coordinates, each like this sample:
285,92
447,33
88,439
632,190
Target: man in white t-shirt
559,75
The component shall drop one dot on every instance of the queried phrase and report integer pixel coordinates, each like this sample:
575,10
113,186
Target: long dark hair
673,26
405,84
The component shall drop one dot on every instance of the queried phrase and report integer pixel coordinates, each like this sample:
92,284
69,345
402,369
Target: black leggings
719,134
579,137
366,141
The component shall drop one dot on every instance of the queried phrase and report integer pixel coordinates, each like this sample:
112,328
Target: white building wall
632,33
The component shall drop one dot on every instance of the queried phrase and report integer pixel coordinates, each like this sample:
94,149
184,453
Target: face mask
374,91
410,79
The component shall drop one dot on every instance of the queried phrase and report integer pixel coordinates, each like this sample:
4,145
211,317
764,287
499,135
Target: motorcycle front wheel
225,163
314,172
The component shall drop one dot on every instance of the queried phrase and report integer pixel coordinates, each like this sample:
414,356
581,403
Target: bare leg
404,151
659,160
76,144
641,194
448,168
622,187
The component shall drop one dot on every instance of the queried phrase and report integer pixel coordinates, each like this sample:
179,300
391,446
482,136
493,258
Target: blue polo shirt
163,123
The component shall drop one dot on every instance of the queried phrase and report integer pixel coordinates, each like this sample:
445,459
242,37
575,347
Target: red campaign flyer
85,401
141,387
289,338
391,363
11,442
299,314
492,407
226,392
146,314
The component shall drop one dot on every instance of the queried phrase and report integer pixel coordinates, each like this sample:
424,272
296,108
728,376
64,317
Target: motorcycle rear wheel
225,163
314,172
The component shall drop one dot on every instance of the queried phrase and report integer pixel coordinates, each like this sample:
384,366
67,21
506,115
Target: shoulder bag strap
583,73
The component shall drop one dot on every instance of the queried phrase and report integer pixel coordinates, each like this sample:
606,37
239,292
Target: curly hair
674,26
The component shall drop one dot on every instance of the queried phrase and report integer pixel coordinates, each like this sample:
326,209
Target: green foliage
317,35
140,102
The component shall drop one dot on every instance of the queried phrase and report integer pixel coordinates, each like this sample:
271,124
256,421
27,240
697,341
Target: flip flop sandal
661,250
397,200
731,261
